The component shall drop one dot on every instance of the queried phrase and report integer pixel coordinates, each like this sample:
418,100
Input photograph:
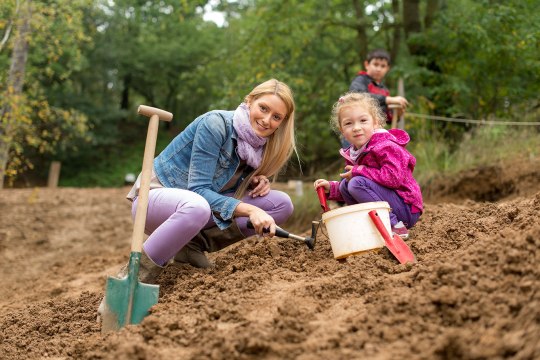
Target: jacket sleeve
335,194
207,143
392,166
361,84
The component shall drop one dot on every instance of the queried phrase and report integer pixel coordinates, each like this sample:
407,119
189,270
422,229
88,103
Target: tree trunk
431,9
396,38
411,22
361,35
14,85
413,25
411,17
124,103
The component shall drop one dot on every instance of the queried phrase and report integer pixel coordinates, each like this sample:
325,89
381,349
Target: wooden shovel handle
146,174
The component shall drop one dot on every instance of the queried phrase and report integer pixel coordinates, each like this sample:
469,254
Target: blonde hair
281,144
356,99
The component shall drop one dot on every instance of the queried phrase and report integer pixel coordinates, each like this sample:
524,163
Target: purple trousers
175,216
360,190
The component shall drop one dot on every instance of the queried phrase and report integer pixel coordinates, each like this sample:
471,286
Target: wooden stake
54,174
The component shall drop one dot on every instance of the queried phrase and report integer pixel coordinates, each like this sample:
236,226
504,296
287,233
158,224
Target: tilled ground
473,294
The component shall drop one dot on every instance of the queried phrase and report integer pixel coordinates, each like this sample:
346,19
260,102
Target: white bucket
351,231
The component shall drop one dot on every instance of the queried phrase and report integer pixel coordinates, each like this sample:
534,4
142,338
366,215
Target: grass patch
485,145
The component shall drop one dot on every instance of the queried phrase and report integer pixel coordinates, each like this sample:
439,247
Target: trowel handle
279,231
380,226
322,198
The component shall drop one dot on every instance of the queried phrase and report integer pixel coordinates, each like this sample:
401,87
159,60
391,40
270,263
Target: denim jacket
202,159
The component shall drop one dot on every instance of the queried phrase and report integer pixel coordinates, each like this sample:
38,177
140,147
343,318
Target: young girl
378,167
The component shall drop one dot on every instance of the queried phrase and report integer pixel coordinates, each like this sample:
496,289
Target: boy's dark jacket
365,84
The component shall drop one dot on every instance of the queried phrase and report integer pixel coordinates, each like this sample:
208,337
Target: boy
377,65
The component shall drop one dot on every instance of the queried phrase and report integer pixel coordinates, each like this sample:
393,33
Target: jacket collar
397,136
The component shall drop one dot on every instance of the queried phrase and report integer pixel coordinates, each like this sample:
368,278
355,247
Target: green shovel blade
127,300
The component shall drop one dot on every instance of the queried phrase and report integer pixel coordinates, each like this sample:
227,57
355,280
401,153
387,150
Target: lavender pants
361,190
175,216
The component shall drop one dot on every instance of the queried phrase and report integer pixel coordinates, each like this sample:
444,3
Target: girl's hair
281,144
356,99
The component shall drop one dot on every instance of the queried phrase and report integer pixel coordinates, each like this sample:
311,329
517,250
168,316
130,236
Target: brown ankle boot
209,240
193,253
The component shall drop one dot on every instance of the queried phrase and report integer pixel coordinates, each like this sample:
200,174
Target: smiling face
266,113
357,124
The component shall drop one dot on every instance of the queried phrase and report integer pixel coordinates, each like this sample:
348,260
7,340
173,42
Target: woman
214,176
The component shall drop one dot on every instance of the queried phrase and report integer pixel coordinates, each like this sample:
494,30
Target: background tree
91,62
44,51
11,99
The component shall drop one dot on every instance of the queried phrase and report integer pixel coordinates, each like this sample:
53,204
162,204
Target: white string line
471,121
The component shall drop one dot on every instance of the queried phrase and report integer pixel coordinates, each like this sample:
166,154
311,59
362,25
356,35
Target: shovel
395,244
128,300
310,241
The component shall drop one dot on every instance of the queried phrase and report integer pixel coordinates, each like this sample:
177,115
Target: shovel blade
395,244
127,300
400,250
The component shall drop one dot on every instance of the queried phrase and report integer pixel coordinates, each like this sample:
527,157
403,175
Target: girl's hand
322,182
348,173
261,186
261,220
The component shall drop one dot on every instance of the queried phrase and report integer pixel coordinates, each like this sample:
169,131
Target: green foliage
109,171
481,60
92,62
35,125
314,51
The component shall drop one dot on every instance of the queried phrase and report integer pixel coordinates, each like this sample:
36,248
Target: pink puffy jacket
386,161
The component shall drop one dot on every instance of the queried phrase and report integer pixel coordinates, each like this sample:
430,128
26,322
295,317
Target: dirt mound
487,183
473,294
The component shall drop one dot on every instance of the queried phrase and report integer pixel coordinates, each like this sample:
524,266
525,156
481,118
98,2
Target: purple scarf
250,145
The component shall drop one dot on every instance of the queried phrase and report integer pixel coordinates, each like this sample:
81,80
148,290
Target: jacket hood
398,136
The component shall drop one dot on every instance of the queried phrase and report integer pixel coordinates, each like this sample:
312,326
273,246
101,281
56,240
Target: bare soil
473,294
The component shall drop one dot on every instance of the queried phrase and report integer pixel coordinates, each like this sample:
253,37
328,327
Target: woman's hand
258,217
348,173
260,185
322,183
261,221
